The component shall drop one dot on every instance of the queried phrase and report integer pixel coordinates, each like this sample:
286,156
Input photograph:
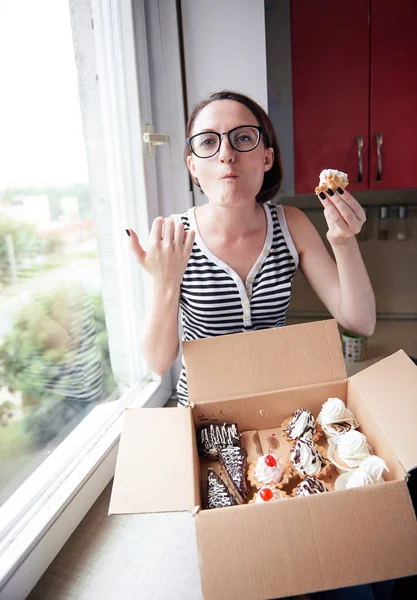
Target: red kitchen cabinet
393,93
354,81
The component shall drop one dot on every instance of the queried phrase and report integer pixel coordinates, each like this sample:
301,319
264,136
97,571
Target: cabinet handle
359,141
379,140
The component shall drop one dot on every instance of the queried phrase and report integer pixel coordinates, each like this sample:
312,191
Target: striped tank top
215,301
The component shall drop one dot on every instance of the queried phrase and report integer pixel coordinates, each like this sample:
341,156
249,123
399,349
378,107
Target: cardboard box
300,545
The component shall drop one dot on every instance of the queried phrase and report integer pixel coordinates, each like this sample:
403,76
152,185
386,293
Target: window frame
116,32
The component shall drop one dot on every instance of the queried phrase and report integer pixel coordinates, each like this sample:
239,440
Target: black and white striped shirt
215,301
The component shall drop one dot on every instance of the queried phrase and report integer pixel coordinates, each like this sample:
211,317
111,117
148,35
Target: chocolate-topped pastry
301,425
306,459
212,438
234,463
217,493
310,485
335,418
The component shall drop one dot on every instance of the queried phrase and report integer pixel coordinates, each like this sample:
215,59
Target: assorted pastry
213,438
334,418
296,466
331,179
369,471
310,485
267,493
306,458
301,424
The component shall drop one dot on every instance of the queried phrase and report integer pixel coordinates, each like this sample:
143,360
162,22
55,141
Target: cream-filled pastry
334,418
267,470
332,179
310,485
306,459
347,451
267,494
368,472
301,425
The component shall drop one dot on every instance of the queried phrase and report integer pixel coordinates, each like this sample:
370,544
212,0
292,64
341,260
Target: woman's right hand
168,253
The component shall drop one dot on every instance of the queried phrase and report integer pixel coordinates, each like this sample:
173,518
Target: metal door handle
152,140
379,141
359,141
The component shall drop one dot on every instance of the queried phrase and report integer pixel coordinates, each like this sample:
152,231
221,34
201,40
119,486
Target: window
71,297
54,352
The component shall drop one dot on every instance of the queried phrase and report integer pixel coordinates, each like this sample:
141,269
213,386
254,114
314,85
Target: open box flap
307,544
257,362
389,389
155,470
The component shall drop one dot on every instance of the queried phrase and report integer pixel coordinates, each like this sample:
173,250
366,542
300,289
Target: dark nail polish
339,191
322,195
128,232
330,192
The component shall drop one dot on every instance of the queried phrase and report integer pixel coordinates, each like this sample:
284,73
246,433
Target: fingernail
128,232
339,191
330,192
322,195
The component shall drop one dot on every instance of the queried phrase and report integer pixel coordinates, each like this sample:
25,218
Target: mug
354,346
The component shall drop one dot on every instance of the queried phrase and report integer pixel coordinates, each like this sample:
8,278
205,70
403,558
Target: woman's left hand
344,216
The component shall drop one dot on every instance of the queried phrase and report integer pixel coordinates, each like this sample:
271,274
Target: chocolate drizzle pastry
217,493
310,485
234,462
306,457
212,438
302,424
339,428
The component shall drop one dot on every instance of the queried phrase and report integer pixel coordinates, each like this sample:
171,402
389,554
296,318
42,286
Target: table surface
125,557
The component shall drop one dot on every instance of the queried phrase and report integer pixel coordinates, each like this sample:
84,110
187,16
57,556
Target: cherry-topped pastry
267,494
267,470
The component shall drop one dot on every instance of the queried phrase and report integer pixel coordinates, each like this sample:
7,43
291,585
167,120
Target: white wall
224,47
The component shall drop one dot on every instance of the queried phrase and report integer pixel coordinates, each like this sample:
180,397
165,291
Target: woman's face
229,178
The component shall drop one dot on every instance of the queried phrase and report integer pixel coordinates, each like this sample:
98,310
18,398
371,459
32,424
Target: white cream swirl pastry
369,471
332,410
351,449
267,494
306,458
335,418
268,469
302,424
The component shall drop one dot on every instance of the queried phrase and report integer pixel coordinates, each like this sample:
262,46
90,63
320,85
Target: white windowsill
30,551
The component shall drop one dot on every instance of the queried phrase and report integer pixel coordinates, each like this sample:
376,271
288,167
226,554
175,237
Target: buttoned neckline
244,288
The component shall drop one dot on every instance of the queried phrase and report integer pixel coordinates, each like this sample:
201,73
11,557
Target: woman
229,264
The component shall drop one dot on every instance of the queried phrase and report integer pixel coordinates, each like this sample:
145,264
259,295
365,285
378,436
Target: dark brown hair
272,178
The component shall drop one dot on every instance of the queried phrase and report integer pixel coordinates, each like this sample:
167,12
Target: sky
41,139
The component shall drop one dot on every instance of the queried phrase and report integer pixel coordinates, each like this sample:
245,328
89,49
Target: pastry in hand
301,425
211,438
306,459
267,494
331,179
218,495
310,485
335,419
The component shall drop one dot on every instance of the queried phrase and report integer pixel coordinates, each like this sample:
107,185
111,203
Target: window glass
54,355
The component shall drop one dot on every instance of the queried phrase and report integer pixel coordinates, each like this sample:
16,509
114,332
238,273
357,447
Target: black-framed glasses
244,138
